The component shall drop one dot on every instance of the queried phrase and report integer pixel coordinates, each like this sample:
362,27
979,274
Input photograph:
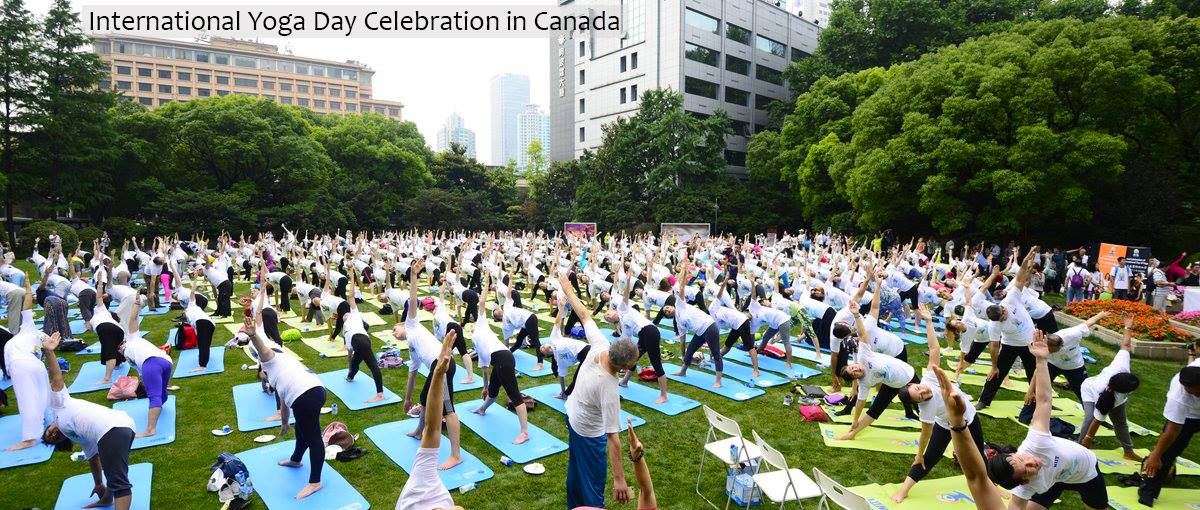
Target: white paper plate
172,388
535,469
221,432
326,410
265,438
331,451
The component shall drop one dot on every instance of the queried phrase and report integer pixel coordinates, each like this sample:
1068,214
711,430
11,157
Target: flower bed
1189,318
1148,322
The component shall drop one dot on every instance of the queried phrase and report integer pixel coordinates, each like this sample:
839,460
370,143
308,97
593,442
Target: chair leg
699,475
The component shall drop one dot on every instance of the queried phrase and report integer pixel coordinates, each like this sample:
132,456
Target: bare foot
1133,456
899,497
101,503
199,369
450,462
661,400
754,373
273,417
716,385
537,367
521,438
22,445
103,382
681,373
623,384
479,411
290,463
378,397
146,433
469,380
308,490
413,434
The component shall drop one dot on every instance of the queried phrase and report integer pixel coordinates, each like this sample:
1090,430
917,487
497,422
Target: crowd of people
821,293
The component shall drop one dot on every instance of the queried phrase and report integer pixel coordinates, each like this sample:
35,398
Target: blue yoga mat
139,410
777,366
526,362
912,338
252,407
547,394
190,358
392,441
5,384
10,434
92,371
91,350
646,395
500,426
78,327
76,491
154,311
356,393
459,375
277,485
730,388
171,336
765,379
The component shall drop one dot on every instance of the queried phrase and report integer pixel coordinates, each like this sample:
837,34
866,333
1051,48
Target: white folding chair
783,484
841,496
720,448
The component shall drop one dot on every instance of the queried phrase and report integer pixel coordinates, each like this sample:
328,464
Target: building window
799,54
582,51
269,96
394,112
303,89
740,127
124,70
285,99
351,94
702,54
183,76
634,22
702,21
222,80
203,92
318,91
145,72
268,85
762,102
163,100
164,89
285,87
771,46
145,87
335,92
768,75
623,95
366,95
633,60
124,85
222,93
581,134
351,107
245,82
581,106
737,96
623,64
184,91
146,101
303,101
379,110
700,87
735,158
633,92
221,58
164,74
245,62
318,103
736,33
203,78
202,56
581,77
737,65
335,105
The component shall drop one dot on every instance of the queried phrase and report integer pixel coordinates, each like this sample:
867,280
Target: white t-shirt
690,319
1063,461
934,409
422,346
138,350
760,315
485,341
424,489
631,320
1181,405
194,314
566,351
1120,277
1092,386
594,407
514,319
1017,329
884,369
1070,355
352,325
85,422
882,341
289,377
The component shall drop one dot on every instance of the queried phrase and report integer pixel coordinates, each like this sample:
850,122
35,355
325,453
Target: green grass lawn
673,443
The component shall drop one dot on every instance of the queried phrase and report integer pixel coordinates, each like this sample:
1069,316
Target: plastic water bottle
787,399
733,454
333,408
244,366
505,460
77,456
226,429
470,486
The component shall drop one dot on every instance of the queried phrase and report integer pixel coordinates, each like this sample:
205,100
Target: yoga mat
190,359
1126,498
1003,409
277,485
912,338
252,407
92,371
356,393
979,380
373,319
326,348
646,395
1075,411
78,327
765,379
526,362
389,341
392,441
460,374
500,426
547,395
778,366
891,418
805,352
1101,432
249,350
139,410
955,353
233,328
732,389
951,492
5,384
10,434
223,320
876,439
296,322
154,311
76,491
91,350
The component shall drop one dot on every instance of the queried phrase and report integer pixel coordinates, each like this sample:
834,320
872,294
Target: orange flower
1148,322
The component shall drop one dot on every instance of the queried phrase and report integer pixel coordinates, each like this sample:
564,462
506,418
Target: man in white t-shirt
1044,466
1119,279
594,413
1182,412
1012,327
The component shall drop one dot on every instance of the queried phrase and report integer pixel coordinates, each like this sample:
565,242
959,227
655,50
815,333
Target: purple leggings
156,373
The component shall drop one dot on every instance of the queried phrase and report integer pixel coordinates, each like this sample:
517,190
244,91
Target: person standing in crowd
1118,279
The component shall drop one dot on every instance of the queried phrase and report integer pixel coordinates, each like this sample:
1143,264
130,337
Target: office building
816,11
154,72
453,132
721,54
532,124
510,94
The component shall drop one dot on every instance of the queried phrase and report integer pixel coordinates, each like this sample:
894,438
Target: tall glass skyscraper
510,94
454,132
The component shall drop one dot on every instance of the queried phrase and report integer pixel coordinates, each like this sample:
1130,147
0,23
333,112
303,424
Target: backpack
71,345
1077,281
231,481
390,359
813,413
124,388
185,337
336,433
648,374
530,403
773,352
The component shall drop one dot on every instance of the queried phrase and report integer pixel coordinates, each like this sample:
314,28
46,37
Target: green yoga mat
891,418
876,439
389,341
1126,498
979,380
1064,408
252,355
941,493
950,352
373,319
1114,462
326,348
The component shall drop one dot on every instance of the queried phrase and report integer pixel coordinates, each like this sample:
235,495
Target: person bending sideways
983,491
498,365
424,489
1104,396
1182,413
1044,466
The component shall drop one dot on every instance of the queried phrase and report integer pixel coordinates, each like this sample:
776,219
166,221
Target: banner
586,230
1136,258
684,231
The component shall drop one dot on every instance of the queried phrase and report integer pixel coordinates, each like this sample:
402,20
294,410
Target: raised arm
935,349
986,496
412,288
56,376
581,311
1041,384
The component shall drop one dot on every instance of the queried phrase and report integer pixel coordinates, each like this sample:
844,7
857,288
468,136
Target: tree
537,157
19,82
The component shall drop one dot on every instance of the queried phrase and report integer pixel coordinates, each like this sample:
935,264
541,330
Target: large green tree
20,80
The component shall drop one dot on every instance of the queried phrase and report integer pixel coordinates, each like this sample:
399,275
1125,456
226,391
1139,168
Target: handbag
813,413
124,388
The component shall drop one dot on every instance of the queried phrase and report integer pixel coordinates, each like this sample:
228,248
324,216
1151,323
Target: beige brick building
154,72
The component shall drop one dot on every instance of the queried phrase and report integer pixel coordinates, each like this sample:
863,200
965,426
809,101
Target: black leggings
938,441
470,301
307,410
1152,486
1008,354
711,337
659,317
362,353
87,304
529,331
742,332
271,325
884,399
1074,377
224,294
285,293
1047,323
975,350
448,407
204,334
504,373
650,342
822,327
111,336
579,358
460,341
340,289
911,296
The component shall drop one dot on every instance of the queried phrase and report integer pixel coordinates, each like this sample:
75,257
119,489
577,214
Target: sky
432,77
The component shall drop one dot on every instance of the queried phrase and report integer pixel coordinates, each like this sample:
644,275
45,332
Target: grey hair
623,354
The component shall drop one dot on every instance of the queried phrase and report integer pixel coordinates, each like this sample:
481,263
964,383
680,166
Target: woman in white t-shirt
1104,395
358,344
498,365
29,379
155,367
869,370
424,489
